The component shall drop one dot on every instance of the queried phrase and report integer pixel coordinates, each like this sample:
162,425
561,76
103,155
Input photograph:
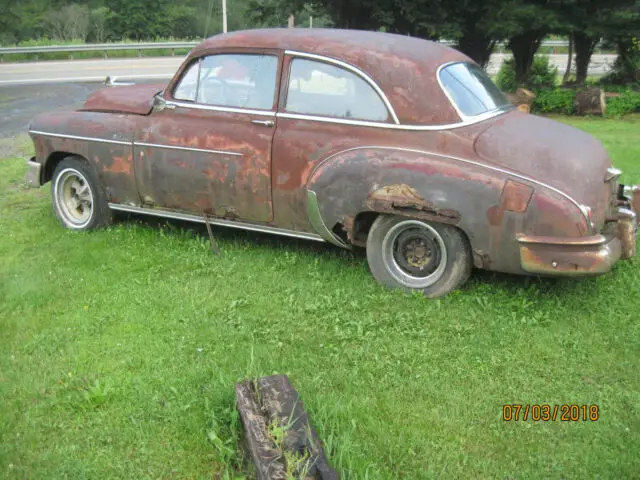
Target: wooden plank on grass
278,430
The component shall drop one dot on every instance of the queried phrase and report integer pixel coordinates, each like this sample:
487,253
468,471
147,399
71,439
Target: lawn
119,350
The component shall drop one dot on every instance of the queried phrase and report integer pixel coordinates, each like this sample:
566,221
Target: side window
186,89
317,88
238,80
231,80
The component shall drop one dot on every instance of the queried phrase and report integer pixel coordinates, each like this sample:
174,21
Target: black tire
77,196
416,255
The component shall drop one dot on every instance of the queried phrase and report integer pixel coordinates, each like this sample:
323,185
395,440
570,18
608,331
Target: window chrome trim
189,149
466,118
213,108
470,162
215,221
354,70
77,137
391,126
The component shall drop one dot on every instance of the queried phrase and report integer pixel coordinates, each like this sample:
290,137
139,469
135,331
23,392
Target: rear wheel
417,255
77,196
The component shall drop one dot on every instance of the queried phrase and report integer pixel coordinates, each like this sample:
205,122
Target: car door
207,149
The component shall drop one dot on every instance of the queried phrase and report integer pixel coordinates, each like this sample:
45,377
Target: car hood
137,99
550,152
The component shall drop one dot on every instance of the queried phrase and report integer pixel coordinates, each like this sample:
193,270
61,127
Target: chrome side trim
197,106
215,221
315,218
352,69
392,126
77,137
463,160
189,149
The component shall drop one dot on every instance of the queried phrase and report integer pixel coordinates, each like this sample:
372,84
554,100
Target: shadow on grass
510,284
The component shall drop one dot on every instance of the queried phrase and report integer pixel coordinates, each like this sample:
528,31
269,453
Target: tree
71,22
100,17
527,23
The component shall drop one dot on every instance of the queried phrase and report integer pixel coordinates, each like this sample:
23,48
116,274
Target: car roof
404,67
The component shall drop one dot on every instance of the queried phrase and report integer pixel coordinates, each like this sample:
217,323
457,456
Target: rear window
471,89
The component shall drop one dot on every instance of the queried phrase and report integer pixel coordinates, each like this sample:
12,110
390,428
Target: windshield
471,89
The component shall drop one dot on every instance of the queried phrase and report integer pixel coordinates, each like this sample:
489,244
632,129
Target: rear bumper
582,256
33,178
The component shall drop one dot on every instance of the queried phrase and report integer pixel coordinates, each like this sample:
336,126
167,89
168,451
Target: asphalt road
20,103
87,70
27,89
164,67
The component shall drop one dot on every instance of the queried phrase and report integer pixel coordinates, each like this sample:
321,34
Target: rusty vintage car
365,139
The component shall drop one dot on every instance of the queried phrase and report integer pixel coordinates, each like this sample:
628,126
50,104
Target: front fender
103,139
488,204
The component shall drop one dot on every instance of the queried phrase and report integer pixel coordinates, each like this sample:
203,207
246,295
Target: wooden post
290,23
310,21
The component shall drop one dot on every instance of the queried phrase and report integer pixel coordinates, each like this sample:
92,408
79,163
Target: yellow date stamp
540,412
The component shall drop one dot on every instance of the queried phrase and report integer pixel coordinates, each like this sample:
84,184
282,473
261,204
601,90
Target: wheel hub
416,252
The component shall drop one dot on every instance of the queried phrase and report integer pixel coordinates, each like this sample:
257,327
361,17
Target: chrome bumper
581,256
33,178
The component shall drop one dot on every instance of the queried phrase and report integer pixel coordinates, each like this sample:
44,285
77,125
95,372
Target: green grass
119,350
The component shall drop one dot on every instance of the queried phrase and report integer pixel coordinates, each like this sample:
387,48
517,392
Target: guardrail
98,47
173,46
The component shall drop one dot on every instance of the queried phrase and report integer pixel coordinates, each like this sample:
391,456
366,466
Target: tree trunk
477,46
567,72
584,49
590,101
524,47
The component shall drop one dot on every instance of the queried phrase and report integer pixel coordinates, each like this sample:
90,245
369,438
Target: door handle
264,123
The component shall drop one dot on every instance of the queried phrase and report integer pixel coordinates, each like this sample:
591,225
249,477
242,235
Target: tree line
475,25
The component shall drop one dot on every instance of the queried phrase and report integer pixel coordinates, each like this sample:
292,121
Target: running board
216,221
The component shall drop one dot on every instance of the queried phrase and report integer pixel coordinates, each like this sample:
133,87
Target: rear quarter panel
436,187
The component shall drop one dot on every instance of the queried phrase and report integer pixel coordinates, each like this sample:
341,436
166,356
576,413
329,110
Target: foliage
554,100
627,102
159,329
541,75
506,77
626,68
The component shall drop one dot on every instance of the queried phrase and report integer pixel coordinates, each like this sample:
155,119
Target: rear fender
486,203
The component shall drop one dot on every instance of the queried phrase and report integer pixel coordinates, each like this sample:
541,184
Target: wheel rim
414,253
74,198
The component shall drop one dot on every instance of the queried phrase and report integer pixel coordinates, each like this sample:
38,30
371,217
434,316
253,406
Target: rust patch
495,214
119,165
481,259
627,237
515,196
401,199
635,201
348,223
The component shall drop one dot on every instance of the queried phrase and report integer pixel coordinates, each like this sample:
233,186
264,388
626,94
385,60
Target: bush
506,78
627,102
554,100
542,75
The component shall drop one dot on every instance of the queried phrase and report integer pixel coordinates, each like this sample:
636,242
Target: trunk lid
552,153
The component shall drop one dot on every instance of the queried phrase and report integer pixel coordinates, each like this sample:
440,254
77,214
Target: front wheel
417,255
77,196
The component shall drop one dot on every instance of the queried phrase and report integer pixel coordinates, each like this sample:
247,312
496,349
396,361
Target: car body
354,138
